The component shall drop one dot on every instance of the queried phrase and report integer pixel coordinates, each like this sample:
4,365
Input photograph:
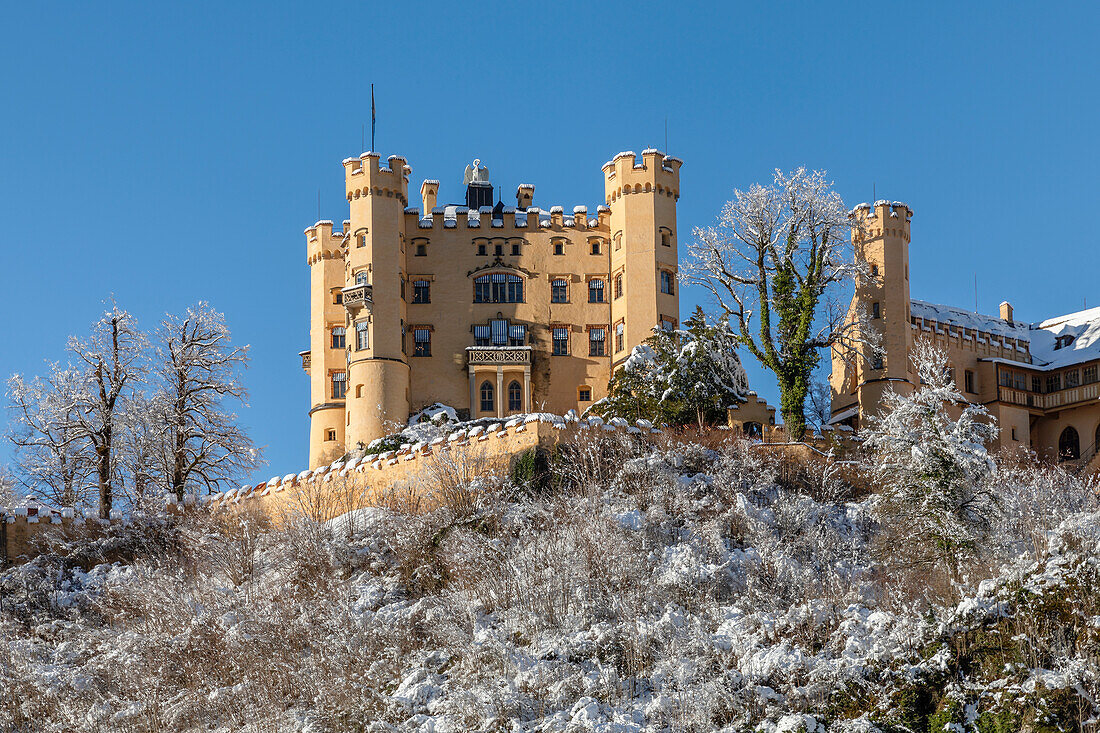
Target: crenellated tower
880,235
375,298
325,256
644,243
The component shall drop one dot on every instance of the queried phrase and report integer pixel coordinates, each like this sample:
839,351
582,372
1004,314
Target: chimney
428,192
1006,311
525,194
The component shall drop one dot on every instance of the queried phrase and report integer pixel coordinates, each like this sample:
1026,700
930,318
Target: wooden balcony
498,355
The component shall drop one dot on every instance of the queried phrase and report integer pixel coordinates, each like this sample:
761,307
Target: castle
1039,380
491,309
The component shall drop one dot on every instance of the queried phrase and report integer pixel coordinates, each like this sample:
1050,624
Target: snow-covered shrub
933,469
664,587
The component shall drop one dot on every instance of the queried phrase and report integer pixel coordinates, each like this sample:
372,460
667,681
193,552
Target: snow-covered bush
666,586
933,469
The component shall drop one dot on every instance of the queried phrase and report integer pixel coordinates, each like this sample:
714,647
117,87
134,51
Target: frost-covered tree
112,362
933,468
679,376
199,371
140,464
776,254
54,462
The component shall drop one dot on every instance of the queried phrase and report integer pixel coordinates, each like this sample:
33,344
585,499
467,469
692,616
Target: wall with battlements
413,476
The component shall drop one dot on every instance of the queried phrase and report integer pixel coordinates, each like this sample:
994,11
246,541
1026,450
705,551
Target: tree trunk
103,467
793,394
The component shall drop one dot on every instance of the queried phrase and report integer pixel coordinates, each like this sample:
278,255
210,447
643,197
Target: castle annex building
488,308
1040,380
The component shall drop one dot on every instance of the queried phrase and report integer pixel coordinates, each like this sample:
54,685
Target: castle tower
880,235
642,198
324,253
375,298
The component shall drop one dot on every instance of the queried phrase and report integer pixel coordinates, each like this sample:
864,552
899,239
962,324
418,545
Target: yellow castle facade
1039,380
488,308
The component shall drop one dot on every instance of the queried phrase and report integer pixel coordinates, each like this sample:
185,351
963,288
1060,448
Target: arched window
487,402
362,278
1069,445
515,397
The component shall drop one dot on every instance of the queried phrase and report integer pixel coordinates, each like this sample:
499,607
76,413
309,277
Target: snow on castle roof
1047,341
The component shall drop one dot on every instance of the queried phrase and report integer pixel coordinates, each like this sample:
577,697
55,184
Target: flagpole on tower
372,117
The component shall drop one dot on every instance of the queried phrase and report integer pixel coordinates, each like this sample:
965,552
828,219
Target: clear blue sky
167,154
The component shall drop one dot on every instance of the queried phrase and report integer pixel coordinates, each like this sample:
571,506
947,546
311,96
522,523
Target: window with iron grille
561,341
422,342
595,291
422,291
339,336
596,339
618,286
339,385
559,291
362,336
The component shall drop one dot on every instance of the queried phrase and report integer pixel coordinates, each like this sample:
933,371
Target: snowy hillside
619,586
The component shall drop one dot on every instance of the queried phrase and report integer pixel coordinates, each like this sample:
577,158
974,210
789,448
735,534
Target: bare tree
140,464
113,363
777,253
53,460
198,368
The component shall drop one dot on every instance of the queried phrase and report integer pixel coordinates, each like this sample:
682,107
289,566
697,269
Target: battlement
363,176
657,173
885,218
357,482
22,529
322,243
512,218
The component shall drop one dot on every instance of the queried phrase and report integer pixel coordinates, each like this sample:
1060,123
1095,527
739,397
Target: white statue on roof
476,173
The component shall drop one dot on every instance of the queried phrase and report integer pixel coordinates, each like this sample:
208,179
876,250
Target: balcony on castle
307,360
498,355
357,296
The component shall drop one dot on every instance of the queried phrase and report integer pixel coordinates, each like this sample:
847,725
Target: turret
642,201
324,361
377,366
880,235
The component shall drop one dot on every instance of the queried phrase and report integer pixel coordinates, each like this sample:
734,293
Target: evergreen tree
679,376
